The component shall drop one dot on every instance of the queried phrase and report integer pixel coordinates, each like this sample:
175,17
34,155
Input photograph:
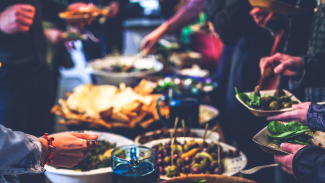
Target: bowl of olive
190,156
268,102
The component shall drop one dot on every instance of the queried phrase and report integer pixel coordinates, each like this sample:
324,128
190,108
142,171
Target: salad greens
293,132
276,102
96,158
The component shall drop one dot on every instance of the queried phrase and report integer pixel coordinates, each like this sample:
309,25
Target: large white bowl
232,165
130,79
92,176
199,132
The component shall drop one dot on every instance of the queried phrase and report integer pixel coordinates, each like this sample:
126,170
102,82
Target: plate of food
95,167
270,137
165,133
208,179
88,13
196,157
108,106
110,70
267,102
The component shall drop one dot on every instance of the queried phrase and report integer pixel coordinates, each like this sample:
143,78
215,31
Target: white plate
199,132
95,66
92,176
232,165
213,113
130,79
265,113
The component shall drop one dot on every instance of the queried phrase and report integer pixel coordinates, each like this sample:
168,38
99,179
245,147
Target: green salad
278,101
293,132
97,158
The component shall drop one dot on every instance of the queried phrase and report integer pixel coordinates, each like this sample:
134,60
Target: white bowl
92,176
130,79
199,132
232,165
266,113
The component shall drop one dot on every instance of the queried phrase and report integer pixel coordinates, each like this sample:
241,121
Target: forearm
185,15
309,165
22,153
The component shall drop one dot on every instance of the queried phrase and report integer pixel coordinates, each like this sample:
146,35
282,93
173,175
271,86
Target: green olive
274,105
179,161
171,171
167,160
186,147
287,105
204,164
161,148
212,146
268,73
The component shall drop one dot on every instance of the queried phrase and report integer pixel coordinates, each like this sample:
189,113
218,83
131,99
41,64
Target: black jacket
28,47
309,165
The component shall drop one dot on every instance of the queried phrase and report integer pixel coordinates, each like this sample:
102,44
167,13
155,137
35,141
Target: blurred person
180,19
205,42
235,25
26,94
110,33
23,154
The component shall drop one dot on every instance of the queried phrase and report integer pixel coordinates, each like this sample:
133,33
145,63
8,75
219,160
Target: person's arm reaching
183,17
24,153
21,153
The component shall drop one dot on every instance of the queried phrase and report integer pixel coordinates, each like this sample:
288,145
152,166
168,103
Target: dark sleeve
314,70
229,20
51,9
316,116
309,165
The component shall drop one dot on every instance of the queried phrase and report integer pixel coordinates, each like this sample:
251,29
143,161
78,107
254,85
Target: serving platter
94,176
232,165
266,113
95,67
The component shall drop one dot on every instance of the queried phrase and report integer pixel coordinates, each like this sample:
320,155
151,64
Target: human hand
71,148
79,6
17,18
286,160
151,39
286,65
114,8
54,36
299,114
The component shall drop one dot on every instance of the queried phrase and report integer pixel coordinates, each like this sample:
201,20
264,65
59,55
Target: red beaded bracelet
51,147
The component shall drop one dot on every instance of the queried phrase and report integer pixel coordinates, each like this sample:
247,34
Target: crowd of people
253,38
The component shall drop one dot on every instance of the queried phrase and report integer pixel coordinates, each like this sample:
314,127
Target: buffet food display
83,14
108,106
193,156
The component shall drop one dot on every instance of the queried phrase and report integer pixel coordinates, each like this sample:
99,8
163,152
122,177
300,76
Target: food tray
263,141
265,113
232,165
